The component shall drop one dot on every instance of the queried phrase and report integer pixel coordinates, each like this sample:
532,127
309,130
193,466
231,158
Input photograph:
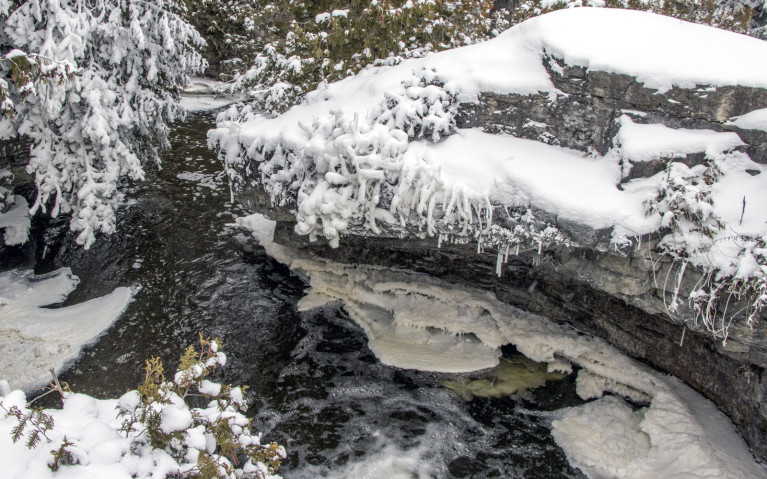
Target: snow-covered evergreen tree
231,33
93,84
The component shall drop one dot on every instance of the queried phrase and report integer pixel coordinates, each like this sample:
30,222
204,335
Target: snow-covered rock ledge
600,167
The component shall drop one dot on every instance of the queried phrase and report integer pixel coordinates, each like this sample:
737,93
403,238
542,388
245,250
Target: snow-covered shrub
161,434
93,84
734,265
350,170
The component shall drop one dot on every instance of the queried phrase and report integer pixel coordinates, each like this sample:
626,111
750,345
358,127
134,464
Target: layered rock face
621,295
586,118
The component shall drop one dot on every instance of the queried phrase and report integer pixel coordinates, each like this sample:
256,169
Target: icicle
430,216
506,254
675,298
498,263
439,241
681,341
517,251
479,214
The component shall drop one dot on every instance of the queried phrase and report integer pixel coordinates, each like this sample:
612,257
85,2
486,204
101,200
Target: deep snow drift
33,338
415,321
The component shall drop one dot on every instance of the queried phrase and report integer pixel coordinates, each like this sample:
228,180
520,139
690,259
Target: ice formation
405,315
362,151
34,338
16,222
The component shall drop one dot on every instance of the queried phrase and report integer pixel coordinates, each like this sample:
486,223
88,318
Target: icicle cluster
352,173
351,170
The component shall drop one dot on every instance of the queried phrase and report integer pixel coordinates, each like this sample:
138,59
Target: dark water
315,387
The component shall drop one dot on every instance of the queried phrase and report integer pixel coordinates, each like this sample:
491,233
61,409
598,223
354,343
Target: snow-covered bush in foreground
149,432
93,84
380,153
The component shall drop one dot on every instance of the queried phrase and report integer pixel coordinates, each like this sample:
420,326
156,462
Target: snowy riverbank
34,338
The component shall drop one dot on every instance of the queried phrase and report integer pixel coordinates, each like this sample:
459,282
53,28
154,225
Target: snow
115,438
201,86
210,388
16,222
649,142
33,338
753,120
196,103
83,417
381,153
677,53
559,180
175,418
680,433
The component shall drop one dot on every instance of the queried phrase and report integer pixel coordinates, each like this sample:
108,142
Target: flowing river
315,386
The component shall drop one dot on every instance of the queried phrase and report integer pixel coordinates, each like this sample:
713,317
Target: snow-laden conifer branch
95,122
